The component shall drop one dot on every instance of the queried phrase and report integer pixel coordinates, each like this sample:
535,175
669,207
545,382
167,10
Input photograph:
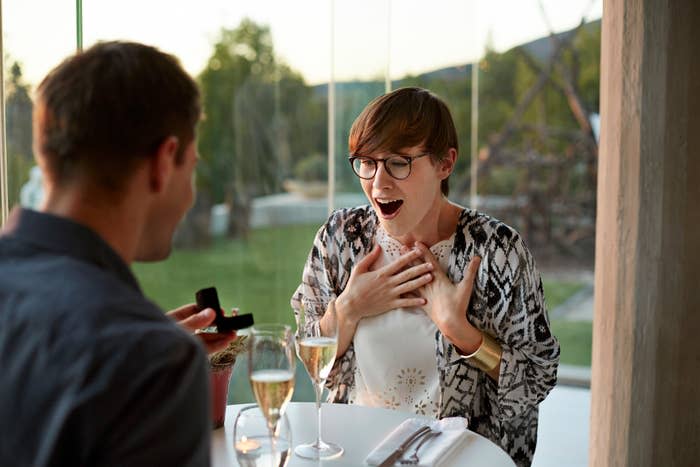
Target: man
92,372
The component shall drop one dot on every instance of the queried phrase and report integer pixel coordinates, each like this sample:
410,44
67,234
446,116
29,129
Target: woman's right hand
373,292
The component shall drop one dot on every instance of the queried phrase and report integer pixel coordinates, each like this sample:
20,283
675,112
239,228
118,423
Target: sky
371,37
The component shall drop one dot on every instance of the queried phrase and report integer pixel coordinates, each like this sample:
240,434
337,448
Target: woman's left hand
447,302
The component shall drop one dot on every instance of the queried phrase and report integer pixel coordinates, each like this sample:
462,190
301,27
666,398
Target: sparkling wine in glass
316,349
271,366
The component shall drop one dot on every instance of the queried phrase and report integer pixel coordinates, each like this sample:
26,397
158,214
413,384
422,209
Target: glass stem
273,445
273,436
319,392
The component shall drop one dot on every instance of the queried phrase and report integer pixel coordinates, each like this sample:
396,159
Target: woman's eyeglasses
398,166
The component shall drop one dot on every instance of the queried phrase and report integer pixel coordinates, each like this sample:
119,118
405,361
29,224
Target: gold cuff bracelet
488,356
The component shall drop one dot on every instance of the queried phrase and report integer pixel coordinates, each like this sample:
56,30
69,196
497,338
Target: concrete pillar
645,408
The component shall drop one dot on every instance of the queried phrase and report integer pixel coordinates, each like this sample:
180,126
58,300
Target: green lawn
556,292
575,341
574,336
257,276
260,275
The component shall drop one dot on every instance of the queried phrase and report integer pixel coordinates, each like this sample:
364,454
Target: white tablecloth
358,430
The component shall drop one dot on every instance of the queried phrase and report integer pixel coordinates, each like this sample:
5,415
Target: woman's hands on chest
375,288
415,279
447,302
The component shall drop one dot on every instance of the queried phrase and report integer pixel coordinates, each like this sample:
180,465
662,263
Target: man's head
102,110
119,119
406,117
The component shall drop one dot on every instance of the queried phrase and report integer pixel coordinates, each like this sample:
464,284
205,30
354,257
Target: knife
398,452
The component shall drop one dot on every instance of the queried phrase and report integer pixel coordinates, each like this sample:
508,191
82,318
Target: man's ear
163,163
447,164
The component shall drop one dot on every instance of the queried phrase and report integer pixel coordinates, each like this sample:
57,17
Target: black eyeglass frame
408,159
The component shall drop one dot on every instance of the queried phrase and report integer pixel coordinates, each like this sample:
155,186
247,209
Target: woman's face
410,207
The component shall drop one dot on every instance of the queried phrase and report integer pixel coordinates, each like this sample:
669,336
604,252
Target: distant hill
540,48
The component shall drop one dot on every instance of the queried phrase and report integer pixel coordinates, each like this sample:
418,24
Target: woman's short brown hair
403,118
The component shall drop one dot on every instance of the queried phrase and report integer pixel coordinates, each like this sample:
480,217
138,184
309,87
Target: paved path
578,307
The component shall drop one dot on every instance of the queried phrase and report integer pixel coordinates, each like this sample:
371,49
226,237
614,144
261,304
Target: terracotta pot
220,377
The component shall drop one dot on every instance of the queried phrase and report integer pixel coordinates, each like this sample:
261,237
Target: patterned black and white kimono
507,303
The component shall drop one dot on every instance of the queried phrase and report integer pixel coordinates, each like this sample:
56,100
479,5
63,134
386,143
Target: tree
256,122
546,145
18,110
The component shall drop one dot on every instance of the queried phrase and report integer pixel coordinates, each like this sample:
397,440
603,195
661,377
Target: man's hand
192,320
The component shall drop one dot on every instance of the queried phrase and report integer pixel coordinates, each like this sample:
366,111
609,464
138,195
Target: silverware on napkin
398,452
413,458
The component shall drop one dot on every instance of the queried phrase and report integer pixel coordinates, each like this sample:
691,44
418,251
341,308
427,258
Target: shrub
312,168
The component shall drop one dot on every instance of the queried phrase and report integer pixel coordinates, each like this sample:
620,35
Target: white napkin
454,431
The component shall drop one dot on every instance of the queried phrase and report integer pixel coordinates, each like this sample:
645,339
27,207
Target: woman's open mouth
389,207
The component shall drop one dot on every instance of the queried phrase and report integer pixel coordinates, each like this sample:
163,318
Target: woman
440,308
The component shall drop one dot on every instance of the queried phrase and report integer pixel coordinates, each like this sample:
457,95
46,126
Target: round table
356,428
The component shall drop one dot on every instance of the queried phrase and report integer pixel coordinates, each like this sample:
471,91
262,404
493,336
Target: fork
413,458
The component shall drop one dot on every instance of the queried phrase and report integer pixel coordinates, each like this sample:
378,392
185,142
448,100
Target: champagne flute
317,352
271,366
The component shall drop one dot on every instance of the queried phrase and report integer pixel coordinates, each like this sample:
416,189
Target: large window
282,83
537,152
32,44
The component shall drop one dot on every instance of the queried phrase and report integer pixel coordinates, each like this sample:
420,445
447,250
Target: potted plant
220,366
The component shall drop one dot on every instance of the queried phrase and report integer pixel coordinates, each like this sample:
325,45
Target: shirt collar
64,236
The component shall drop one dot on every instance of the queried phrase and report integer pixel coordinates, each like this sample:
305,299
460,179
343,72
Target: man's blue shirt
91,372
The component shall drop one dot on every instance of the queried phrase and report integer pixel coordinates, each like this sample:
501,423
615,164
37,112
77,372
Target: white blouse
395,351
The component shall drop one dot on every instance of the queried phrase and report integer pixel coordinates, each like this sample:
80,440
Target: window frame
4,192
4,200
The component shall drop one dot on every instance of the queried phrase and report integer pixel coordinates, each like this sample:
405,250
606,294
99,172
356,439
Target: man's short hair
405,117
102,110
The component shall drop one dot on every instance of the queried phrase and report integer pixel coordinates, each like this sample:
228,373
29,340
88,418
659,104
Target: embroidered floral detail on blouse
408,384
410,378
392,247
391,402
420,407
